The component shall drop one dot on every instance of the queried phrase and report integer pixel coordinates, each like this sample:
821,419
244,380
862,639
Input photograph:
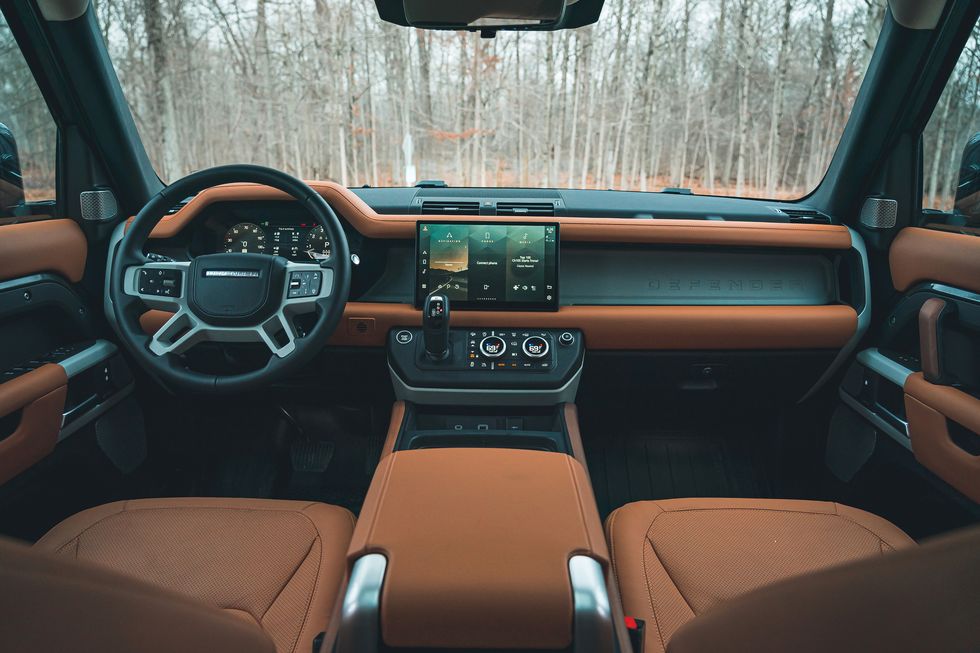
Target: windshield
725,97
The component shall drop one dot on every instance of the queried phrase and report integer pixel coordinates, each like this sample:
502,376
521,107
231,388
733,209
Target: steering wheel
228,298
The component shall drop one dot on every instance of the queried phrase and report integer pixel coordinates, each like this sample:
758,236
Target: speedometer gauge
245,238
317,245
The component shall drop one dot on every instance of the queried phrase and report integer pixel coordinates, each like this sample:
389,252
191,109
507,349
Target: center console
480,529
490,266
459,549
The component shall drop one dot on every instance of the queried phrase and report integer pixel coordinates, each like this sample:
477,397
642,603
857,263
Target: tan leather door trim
929,407
40,396
679,232
57,246
919,255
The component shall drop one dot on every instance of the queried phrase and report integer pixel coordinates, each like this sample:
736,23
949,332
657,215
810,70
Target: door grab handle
932,315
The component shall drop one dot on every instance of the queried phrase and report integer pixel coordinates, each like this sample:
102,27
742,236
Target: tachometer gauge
245,238
317,245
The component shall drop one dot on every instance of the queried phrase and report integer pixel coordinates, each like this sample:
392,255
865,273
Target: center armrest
478,543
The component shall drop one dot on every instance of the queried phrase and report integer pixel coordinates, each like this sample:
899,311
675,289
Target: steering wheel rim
128,305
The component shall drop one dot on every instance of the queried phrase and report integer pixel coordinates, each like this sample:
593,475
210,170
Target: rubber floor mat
667,465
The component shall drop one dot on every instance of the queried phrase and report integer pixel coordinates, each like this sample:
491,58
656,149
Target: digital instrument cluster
489,265
295,241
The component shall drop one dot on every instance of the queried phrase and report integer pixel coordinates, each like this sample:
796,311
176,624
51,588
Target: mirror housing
11,181
968,185
490,16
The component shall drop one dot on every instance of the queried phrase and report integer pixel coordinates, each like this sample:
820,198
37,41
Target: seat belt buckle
635,627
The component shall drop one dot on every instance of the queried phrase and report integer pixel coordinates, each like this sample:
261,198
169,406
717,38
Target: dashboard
627,283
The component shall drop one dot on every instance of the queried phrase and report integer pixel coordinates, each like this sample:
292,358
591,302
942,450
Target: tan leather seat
277,565
51,603
679,558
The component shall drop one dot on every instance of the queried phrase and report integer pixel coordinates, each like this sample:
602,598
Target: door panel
932,411
920,384
919,255
56,376
936,409
56,246
39,397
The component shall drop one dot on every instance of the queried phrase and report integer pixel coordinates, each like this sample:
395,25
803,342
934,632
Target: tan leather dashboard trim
57,246
928,408
638,327
478,543
918,255
40,396
600,230
619,327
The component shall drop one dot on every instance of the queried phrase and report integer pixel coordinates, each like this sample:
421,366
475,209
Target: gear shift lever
435,326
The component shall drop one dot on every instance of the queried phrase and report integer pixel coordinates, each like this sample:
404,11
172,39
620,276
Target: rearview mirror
491,15
11,182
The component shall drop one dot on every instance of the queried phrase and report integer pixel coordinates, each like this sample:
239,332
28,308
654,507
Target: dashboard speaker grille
879,213
98,205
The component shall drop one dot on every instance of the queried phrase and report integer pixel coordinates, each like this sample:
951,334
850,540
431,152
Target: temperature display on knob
535,347
493,346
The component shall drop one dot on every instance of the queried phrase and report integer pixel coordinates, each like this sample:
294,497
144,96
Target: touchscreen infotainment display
492,265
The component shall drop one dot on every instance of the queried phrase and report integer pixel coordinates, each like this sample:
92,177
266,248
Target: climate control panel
482,357
511,349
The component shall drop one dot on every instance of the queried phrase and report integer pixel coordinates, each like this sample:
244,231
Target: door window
28,133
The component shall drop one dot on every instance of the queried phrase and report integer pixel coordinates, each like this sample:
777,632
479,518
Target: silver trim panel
96,354
880,364
957,293
360,619
99,352
592,629
879,423
486,397
93,413
863,321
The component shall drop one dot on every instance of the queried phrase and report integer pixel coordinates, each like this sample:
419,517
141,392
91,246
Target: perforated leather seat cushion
276,564
678,558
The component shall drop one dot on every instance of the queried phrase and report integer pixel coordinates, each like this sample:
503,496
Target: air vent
810,216
526,208
450,208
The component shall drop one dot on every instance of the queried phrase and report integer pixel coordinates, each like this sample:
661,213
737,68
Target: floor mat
673,464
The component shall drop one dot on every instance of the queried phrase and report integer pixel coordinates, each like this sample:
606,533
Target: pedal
311,456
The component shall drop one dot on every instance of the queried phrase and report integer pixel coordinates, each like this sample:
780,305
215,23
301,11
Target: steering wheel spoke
307,284
278,334
177,335
159,285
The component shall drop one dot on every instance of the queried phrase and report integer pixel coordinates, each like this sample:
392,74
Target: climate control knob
535,347
493,346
